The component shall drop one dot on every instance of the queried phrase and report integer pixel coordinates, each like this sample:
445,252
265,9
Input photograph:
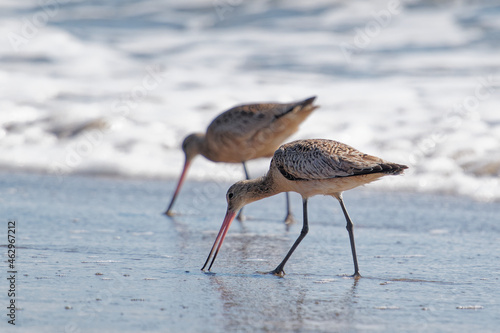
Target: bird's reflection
270,303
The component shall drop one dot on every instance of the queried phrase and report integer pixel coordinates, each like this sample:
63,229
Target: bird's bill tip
228,219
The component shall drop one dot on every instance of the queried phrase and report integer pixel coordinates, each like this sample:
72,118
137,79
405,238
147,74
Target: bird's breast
331,186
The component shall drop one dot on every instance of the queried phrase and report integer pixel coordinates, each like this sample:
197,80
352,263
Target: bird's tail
307,101
304,108
393,168
307,105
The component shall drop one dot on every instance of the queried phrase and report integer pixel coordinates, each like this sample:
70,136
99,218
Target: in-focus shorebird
308,167
244,133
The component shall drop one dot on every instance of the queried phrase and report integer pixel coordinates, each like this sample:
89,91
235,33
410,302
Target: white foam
79,97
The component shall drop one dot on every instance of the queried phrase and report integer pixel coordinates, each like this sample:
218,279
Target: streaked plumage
251,131
245,132
324,159
308,167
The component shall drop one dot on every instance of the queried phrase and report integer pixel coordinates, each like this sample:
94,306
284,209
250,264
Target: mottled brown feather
250,131
324,159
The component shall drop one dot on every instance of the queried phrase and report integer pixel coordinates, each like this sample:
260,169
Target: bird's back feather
324,159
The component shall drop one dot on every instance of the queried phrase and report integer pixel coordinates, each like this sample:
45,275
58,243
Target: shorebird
244,133
308,167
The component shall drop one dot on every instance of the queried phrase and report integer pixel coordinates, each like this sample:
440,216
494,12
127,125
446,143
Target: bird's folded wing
243,122
324,159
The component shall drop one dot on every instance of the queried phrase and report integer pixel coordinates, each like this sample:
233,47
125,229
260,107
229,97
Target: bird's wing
244,121
324,159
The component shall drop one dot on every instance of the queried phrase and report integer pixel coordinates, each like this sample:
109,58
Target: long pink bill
179,185
228,219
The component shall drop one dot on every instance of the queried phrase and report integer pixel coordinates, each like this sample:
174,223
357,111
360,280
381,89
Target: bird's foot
241,217
278,272
356,275
289,220
170,213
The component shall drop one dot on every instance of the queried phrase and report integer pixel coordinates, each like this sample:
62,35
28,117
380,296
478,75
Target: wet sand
97,255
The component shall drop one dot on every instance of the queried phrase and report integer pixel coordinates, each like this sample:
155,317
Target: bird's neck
261,188
200,144
205,149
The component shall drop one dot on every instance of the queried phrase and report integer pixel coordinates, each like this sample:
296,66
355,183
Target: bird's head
192,145
235,196
242,193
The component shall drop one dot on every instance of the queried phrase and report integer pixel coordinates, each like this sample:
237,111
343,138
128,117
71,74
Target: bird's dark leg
247,176
349,228
305,229
240,216
289,218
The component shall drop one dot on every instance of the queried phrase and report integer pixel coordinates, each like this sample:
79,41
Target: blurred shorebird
308,167
244,133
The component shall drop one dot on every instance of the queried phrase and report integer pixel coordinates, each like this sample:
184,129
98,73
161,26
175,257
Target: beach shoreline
97,254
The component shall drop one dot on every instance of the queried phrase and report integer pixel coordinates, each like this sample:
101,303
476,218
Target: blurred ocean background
112,87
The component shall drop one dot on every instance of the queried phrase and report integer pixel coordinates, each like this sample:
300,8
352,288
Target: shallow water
96,254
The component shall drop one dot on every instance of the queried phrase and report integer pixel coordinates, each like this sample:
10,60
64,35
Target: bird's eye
230,195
